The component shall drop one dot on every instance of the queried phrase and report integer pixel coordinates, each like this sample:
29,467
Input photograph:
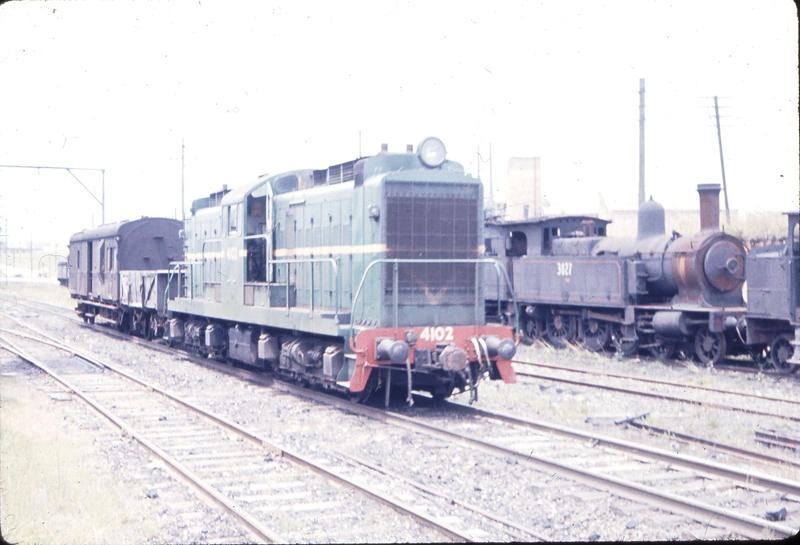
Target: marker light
431,152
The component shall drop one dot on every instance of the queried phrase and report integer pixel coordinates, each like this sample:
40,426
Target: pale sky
258,86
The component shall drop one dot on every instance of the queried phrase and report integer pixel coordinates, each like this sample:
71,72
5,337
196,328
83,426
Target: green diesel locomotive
366,275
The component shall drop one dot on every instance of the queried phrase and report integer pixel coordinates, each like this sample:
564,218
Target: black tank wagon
656,291
119,271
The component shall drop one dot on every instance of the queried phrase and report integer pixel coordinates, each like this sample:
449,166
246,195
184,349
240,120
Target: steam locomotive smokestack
709,206
384,149
409,148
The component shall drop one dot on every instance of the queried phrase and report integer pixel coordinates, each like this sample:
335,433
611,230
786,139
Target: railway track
265,486
600,461
523,441
590,481
791,407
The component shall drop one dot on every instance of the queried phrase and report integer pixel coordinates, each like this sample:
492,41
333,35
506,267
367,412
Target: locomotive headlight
431,152
392,350
505,348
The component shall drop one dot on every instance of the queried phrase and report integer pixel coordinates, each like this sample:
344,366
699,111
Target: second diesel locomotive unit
365,274
656,291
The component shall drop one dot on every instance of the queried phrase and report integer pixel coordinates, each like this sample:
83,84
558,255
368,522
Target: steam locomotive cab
772,324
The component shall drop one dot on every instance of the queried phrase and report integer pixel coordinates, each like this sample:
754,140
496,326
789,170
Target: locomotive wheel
533,329
560,329
709,347
596,334
780,350
441,393
663,350
624,347
759,354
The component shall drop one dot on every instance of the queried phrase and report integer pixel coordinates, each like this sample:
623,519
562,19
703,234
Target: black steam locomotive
659,291
771,327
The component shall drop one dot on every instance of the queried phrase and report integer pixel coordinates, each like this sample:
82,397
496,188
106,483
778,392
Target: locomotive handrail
173,268
330,260
499,268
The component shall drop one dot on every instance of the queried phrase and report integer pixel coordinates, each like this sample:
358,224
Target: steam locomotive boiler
364,275
657,291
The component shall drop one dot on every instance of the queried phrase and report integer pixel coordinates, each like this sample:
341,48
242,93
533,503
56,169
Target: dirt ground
54,485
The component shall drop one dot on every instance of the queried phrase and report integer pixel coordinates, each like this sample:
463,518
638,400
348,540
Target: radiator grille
432,221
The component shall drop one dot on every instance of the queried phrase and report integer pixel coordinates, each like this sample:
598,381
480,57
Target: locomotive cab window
233,219
516,244
256,223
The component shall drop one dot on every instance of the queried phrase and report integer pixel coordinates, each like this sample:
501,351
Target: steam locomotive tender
119,271
363,275
772,323
658,291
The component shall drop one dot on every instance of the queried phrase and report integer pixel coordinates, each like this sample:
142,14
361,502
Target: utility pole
722,163
641,141
491,186
5,234
183,207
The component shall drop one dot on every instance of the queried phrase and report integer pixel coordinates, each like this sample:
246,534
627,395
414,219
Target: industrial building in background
524,198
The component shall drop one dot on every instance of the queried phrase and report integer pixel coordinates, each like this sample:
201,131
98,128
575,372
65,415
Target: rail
479,301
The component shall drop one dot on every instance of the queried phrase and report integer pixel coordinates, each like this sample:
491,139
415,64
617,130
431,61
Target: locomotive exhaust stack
709,207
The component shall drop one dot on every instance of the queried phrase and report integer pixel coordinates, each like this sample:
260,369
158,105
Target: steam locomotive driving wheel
596,334
709,347
533,329
661,349
626,347
780,350
560,329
